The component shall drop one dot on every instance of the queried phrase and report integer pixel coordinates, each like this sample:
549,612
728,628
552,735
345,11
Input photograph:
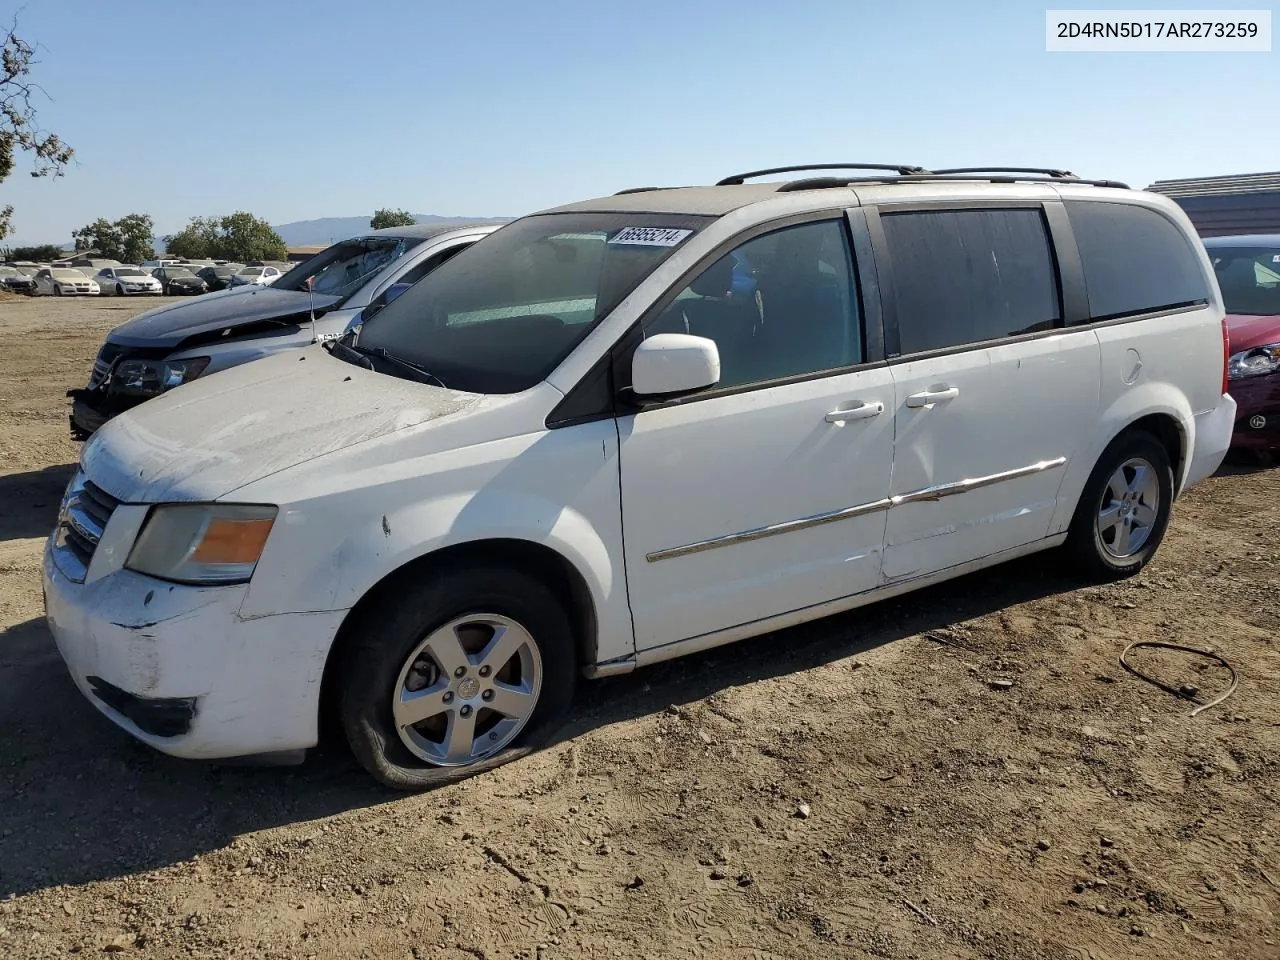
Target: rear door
993,395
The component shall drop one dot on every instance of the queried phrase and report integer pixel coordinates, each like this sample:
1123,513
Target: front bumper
1257,425
90,409
177,668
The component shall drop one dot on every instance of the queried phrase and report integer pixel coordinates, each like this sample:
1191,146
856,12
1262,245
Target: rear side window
1135,260
968,276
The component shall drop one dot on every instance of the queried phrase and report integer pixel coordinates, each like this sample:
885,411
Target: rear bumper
1211,440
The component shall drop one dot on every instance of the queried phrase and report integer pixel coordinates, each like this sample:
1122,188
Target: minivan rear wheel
460,674
1124,511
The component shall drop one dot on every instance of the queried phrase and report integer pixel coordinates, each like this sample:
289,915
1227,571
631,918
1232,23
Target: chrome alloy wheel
467,690
1128,510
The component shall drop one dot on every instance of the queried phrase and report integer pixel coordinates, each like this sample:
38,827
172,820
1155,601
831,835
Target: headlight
202,543
148,378
1254,362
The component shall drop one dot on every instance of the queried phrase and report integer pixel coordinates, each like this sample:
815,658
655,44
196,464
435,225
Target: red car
1248,269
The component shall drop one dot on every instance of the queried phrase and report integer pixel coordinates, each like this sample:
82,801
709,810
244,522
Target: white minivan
622,430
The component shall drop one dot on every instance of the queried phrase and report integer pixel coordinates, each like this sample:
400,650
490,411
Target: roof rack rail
738,178
1056,173
827,183
638,190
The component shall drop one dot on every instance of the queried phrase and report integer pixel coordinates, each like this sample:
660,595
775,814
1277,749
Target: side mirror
668,364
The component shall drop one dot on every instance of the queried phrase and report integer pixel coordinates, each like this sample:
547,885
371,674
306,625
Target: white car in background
128,281
256,277
65,282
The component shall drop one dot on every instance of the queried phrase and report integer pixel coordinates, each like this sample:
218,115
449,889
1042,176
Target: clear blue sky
500,107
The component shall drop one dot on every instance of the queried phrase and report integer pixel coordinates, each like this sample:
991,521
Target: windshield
9,272
501,315
251,272
68,275
130,272
1249,278
178,272
345,267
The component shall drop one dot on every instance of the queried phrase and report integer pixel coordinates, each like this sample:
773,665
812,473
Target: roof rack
639,190
827,183
1049,172
738,178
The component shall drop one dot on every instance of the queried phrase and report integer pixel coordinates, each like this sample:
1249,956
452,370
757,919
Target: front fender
562,493
1143,400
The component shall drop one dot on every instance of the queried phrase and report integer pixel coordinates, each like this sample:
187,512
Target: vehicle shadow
83,802
29,501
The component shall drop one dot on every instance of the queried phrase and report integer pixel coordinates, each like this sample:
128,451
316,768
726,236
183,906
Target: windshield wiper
421,373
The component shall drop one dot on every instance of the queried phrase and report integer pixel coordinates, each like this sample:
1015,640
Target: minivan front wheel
465,675
1124,510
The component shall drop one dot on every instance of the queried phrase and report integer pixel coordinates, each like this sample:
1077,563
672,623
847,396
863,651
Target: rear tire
405,658
1124,510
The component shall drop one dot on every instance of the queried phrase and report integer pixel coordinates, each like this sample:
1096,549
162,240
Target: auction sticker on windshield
650,236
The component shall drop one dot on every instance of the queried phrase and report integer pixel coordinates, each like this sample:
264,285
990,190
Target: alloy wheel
467,690
1128,509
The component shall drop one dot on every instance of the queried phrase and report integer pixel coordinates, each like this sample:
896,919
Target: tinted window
967,276
781,305
1134,259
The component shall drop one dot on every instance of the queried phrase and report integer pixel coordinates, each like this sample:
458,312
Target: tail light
1226,352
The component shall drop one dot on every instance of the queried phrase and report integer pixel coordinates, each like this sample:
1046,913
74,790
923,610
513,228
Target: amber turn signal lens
233,541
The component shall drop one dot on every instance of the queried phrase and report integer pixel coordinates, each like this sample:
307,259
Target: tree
197,240
19,130
391,218
240,237
41,254
127,239
245,237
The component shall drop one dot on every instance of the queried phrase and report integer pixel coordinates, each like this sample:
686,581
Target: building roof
1219,186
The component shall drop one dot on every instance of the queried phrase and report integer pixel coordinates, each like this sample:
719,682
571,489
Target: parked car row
432,477
167,277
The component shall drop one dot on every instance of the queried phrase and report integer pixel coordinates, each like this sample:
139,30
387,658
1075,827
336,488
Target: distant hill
327,230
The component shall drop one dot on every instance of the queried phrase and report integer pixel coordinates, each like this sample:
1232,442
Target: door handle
929,397
863,411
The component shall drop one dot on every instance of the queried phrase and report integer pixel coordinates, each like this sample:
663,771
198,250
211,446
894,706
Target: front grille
85,513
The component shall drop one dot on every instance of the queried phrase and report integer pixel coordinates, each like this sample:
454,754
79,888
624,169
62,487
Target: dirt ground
966,772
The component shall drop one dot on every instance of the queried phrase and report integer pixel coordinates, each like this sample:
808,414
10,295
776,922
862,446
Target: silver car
316,300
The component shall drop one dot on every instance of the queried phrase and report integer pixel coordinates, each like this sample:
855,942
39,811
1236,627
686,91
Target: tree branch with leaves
20,130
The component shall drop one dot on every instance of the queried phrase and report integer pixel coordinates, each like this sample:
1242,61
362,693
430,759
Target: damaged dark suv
316,300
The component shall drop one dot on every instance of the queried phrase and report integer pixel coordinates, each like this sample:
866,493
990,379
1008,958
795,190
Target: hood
169,325
1246,332
203,440
186,281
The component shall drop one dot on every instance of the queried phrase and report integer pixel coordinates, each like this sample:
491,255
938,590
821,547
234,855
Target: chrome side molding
936,492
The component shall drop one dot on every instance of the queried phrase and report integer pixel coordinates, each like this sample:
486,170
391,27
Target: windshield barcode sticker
650,236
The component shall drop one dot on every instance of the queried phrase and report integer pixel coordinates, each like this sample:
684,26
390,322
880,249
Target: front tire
1124,510
460,673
